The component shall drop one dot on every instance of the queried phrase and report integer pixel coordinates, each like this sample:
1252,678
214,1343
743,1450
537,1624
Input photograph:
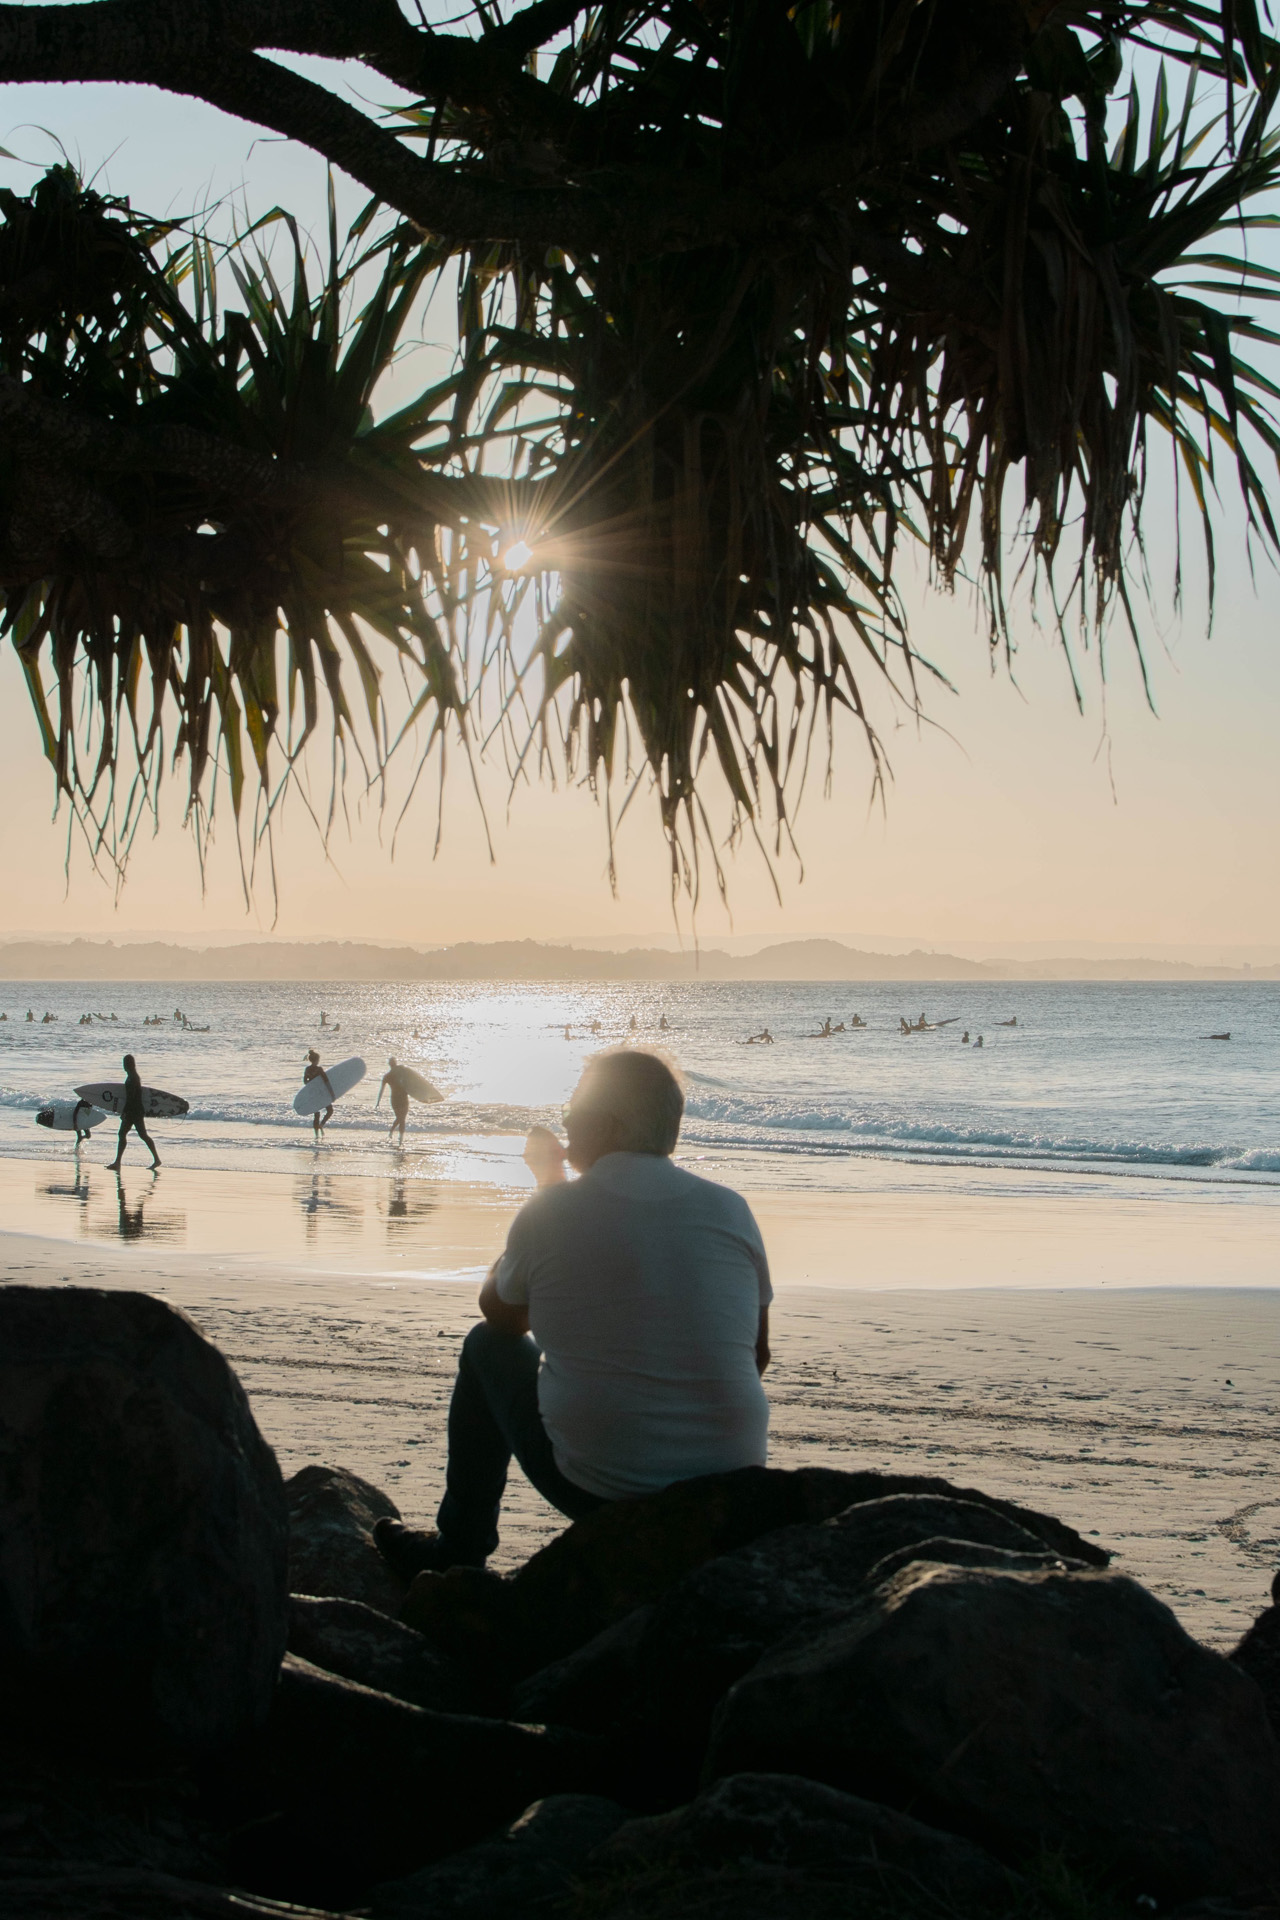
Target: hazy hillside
530,960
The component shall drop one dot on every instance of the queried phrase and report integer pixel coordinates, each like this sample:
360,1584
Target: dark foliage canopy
752,297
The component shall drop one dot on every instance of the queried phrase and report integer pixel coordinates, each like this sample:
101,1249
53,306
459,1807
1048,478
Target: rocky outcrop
143,1533
358,1643
331,1551
632,1552
782,1821
521,1872
345,1786
1066,1710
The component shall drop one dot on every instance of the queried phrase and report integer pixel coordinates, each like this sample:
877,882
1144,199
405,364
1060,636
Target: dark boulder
143,1532
358,1643
345,1786
1065,1710
595,1688
714,1625
659,1674
782,1821
1258,1655
331,1551
631,1552
522,1871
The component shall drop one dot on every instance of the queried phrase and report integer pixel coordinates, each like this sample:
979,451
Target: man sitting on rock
625,1329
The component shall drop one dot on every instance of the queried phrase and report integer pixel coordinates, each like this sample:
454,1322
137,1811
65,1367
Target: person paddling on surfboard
132,1114
314,1071
393,1081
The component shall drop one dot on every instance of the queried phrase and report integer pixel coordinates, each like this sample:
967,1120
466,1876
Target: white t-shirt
644,1286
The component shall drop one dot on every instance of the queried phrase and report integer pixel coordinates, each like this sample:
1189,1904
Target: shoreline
906,1229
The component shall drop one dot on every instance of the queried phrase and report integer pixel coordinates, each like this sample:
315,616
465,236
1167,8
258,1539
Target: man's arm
497,1311
763,1355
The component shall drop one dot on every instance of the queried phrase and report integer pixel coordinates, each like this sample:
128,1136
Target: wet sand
1144,1414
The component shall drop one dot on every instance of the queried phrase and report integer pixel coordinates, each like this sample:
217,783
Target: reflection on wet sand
108,1210
408,1204
326,1203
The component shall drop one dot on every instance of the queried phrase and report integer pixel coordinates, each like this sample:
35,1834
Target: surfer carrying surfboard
132,1115
314,1071
393,1081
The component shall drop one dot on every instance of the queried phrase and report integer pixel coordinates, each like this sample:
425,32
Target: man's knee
485,1341
503,1362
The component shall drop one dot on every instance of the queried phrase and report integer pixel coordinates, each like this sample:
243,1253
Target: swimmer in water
393,1080
132,1117
314,1071
663,1024
964,1038
544,1157
762,1039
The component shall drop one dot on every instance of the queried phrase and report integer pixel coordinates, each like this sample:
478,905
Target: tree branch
195,49
205,50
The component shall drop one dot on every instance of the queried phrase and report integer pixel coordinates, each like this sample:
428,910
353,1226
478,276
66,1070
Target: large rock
631,1552
522,1871
1258,1655
345,1786
143,1533
666,1666
717,1622
783,1821
1066,1710
358,1643
331,1551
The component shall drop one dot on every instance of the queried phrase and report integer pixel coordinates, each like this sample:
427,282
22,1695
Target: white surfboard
314,1097
156,1104
65,1116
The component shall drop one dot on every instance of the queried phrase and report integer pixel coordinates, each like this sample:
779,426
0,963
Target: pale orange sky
1007,831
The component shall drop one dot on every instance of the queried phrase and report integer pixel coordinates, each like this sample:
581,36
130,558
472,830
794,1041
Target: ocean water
1093,1079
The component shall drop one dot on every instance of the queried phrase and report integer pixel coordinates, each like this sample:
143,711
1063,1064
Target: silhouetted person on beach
132,1116
393,1081
625,1330
82,1132
314,1071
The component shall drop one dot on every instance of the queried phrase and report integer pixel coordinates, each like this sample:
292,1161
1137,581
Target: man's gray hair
641,1092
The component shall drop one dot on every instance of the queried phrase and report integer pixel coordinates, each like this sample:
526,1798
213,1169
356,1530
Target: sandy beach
1141,1411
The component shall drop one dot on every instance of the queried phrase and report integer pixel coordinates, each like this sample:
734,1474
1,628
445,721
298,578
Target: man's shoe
409,1551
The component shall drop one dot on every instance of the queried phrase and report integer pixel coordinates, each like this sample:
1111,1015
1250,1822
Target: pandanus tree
755,299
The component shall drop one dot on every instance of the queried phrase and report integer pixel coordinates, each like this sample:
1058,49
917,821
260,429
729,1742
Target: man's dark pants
494,1415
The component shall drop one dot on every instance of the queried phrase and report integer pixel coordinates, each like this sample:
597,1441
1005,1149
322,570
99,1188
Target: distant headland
817,960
